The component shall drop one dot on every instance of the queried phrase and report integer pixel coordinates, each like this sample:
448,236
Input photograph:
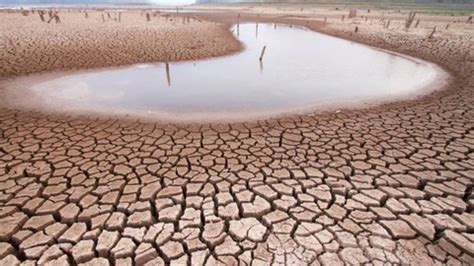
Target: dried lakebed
301,71
387,185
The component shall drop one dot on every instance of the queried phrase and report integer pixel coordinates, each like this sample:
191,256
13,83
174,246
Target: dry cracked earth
28,45
385,185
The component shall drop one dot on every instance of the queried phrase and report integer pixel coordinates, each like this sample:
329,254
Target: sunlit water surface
300,70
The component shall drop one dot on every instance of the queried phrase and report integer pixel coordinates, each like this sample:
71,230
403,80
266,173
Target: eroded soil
28,45
390,184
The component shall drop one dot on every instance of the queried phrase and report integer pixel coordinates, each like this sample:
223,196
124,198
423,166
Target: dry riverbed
388,184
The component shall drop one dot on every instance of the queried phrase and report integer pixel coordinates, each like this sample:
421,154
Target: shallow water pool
301,70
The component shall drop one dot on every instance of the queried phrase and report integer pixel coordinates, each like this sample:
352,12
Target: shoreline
29,103
316,26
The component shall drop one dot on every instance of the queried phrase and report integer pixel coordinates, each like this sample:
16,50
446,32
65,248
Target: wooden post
417,23
168,78
432,33
53,16
41,14
262,53
410,19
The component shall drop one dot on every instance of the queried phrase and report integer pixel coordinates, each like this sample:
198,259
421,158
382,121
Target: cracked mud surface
78,43
390,184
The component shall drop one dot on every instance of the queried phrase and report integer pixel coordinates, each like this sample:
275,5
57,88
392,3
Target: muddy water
301,70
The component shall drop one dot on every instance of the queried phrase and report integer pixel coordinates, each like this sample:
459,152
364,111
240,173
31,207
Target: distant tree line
459,2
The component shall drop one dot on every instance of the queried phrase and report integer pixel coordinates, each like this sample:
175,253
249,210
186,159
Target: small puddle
301,71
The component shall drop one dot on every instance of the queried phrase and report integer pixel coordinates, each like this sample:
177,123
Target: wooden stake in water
168,78
262,53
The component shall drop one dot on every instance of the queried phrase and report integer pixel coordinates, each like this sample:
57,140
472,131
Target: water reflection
302,68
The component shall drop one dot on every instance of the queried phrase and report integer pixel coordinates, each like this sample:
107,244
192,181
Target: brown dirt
31,46
386,184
